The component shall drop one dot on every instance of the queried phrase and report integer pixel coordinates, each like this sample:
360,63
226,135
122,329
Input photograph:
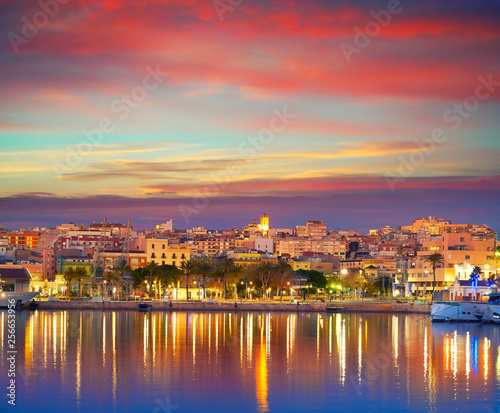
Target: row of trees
263,276
223,271
111,279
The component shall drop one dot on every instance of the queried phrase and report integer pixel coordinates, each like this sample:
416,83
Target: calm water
250,362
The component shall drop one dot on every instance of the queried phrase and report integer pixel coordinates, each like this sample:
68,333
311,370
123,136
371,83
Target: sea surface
125,361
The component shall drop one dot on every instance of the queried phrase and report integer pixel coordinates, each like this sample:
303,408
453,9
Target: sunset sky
213,114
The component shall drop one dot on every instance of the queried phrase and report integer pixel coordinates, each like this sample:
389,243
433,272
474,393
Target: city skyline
362,114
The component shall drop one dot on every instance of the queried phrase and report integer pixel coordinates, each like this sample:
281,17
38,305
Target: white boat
19,297
468,311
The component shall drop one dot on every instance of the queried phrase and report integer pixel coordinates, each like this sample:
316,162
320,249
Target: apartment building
27,240
296,246
158,250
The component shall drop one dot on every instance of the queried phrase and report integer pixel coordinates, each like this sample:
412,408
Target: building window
174,256
153,246
163,246
163,255
462,239
183,256
467,257
153,255
173,262
163,263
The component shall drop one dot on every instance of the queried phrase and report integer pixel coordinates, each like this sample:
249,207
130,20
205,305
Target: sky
360,113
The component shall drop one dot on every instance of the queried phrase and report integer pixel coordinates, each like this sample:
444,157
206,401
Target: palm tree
188,268
109,278
474,276
69,275
139,275
168,274
434,259
226,266
283,269
80,274
151,268
121,269
235,272
205,270
476,271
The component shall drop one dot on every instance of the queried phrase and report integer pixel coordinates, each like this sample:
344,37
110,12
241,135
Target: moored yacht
17,298
468,311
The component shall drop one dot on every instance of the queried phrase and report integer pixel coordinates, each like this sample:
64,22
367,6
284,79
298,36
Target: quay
354,306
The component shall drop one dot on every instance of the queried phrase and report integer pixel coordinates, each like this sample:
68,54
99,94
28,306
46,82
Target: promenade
350,306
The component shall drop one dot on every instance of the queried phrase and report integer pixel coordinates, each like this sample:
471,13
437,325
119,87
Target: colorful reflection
261,361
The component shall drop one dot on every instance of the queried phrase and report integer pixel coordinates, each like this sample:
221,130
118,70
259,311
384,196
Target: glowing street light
425,288
344,272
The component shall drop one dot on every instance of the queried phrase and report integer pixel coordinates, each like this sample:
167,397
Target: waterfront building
264,245
69,227
27,240
213,245
296,246
74,261
165,227
15,278
135,259
464,270
246,259
115,229
158,251
462,290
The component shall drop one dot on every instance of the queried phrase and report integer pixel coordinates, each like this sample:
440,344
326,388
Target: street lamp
359,281
344,272
425,288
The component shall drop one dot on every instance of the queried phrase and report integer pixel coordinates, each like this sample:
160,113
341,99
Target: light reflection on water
251,362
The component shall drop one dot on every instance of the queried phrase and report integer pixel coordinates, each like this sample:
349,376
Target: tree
381,283
168,274
109,278
316,278
69,275
139,275
205,270
79,274
226,266
234,274
356,280
121,269
151,268
264,273
476,271
435,260
284,270
188,268
475,275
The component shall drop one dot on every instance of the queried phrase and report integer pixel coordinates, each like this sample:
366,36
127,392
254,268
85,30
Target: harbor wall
347,307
